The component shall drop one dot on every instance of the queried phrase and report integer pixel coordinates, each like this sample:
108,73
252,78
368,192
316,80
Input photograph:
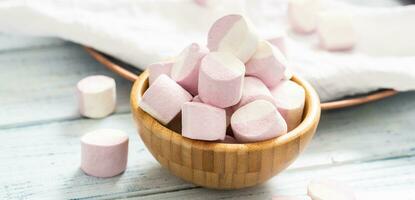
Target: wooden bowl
218,165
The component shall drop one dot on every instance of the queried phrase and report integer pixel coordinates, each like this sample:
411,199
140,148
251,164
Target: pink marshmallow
104,152
234,34
257,121
254,89
302,15
96,96
229,110
335,31
157,69
279,42
164,99
329,189
185,70
268,64
203,122
289,98
291,198
221,79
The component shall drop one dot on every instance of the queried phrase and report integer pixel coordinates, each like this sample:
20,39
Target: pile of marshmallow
237,81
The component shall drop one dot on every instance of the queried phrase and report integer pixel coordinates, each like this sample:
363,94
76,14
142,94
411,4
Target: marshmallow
234,34
104,152
164,99
289,98
229,110
291,198
203,122
335,31
257,121
302,15
96,96
279,42
221,79
329,189
229,140
157,69
268,64
185,70
254,89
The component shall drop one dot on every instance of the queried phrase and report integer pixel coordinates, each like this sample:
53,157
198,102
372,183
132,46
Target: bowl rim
311,116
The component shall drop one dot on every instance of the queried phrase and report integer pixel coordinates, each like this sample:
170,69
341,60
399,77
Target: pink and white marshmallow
96,96
221,79
268,64
203,122
302,15
254,89
104,152
234,34
164,99
157,69
279,42
185,70
336,31
289,98
325,189
229,110
257,121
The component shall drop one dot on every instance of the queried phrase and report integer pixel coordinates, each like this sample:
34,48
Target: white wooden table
371,147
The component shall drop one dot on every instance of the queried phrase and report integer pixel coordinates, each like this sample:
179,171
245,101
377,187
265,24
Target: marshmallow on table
203,122
97,96
268,64
335,31
164,99
104,152
157,69
329,189
185,70
254,89
257,121
291,198
289,98
234,34
221,79
302,15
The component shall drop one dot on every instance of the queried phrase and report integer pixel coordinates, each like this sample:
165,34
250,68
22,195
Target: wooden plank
9,43
381,179
39,85
42,161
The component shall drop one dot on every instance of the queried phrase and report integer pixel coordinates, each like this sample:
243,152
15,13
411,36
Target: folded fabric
141,32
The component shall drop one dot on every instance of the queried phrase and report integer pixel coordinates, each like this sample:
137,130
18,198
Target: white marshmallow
289,98
336,31
203,122
96,96
254,89
157,69
104,152
302,15
221,79
329,190
164,99
257,121
234,34
185,70
268,64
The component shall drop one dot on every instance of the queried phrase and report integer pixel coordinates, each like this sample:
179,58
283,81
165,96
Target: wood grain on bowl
220,165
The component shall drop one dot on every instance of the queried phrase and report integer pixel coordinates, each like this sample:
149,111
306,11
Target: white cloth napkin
140,32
